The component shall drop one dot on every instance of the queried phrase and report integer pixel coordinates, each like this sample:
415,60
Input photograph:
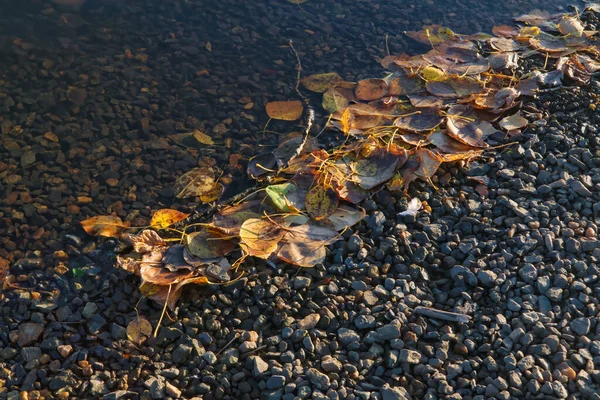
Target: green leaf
278,193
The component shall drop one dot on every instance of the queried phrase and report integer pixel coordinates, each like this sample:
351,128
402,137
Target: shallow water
92,95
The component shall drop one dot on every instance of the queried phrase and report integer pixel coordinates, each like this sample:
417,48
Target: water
92,95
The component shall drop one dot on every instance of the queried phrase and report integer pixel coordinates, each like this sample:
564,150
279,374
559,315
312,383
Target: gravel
85,130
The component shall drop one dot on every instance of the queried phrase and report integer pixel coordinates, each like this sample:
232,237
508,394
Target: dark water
92,93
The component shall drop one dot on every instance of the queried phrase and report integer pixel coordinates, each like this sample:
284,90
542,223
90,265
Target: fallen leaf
305,245
289,110
334,100
104,225
161,276
414,205
166,217
195,183
208,243
378,166
419,120
346,217
429,162
260,237
230,219
283,196
432,34
138,330
515,121
370,89
145,241
162,294
319,83
321,202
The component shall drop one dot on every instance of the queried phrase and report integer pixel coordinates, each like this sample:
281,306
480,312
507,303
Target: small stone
230,357
355,243
330,364
259,366
309,322
410,356
394,393
389,332
96,388
95,324
29,332
275,382
172,391
319,379
181,353
347,336
580,189
487,278
301,282
30,354
581,326
65,350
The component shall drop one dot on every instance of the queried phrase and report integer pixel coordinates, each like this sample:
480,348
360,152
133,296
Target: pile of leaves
451,104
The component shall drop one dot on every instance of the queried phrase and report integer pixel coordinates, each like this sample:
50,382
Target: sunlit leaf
213,194
515,121
260,237
466,132
504,44
167,217
162,294
429,162
289,110
433,74
319,83
104,225
138,330
345,217
432,34
321,202
359,117
284,197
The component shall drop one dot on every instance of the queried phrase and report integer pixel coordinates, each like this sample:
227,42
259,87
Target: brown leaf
419,120
466,132
289,110
104,225
231,218
304,245
166,217
138,330
162,294
145,241
378,166
402,84
370,89
359,117
429,162
159,275
345,217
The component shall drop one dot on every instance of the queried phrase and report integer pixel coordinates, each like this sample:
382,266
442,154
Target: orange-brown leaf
167,217
289,110
104,225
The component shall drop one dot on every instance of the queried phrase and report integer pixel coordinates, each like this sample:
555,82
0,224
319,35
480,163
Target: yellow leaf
166,217
104,225
433,74
203,138
285,110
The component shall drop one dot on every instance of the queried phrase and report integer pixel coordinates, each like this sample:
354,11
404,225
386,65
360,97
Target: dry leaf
209,243
260,237
203,138
138,330
195,183
515,121
104,225
321,202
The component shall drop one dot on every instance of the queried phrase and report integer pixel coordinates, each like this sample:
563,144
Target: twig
443,315
228,343
163,312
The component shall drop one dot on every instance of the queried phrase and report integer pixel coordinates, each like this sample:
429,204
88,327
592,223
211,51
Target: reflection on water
92,96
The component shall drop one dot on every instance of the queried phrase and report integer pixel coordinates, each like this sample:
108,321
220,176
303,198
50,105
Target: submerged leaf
334,100
289,110
167,217
197,182
432,34
370,89
104,225
319,83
